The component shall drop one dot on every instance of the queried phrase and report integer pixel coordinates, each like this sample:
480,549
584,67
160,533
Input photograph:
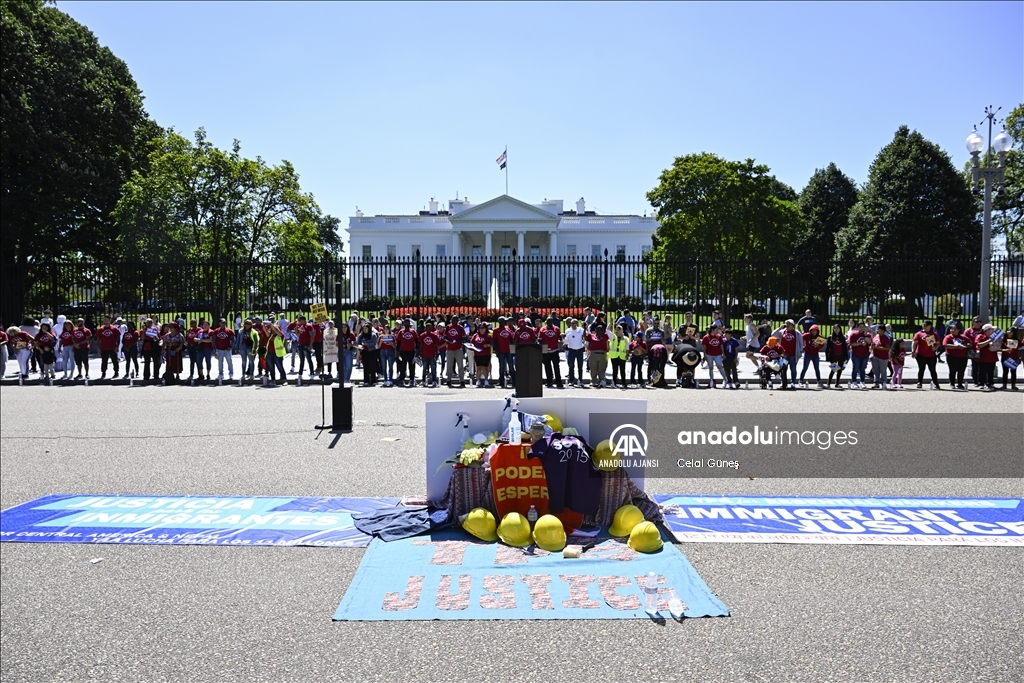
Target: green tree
73,129
202,205
914,208
825,205
717,213
1008,205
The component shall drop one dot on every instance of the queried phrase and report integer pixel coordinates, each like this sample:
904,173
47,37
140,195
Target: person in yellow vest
618,349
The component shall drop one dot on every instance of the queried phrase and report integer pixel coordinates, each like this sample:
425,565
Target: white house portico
503,228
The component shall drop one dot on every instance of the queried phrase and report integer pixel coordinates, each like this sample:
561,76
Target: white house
495,231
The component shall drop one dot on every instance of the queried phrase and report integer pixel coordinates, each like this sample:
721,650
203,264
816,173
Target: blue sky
385,105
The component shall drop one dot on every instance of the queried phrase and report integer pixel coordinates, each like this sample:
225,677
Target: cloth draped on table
470,487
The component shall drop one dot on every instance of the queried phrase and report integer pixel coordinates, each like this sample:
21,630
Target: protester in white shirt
573,341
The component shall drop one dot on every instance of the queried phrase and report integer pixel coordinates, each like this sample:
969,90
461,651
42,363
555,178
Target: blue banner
451,575
189,520
845,520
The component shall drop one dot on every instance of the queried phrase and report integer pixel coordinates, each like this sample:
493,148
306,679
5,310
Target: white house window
595,252
620,286
595,286
367,286
620,253
415,251
570,286
441,287
534,286
644,249
392,252
392,287
506,252
367,252
442,250
570,252
478,252
478,286
535,253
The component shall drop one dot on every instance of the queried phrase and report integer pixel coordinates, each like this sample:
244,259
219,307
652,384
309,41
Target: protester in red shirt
712,343
503,348
597,344
971,334
110,339
192,348
481,342
956,345
81,338
300,331
550,340
45,342
859,342
813,344
791,343
21,345
925,343
987,357
429,344
772,352
223,341
454,337
130,347
1011,356
880,345
67,348
408,340
316,336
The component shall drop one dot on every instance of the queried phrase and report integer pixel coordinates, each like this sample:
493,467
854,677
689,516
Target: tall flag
502,159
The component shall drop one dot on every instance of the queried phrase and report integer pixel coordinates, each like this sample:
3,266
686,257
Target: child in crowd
730,358
637,351
897,358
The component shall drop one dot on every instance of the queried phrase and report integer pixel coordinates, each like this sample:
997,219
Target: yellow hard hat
553,422
626,517
603,458
645,538
480,522
549,534
514,530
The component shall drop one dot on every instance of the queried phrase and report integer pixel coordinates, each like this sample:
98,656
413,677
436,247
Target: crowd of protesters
451,349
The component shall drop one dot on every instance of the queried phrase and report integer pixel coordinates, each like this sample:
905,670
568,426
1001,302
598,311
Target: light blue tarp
450,575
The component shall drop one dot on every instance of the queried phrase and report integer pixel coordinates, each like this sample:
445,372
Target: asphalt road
191,613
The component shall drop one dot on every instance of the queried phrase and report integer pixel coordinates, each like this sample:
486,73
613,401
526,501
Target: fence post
604,306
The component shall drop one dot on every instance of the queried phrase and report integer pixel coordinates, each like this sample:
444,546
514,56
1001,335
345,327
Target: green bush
897,308
947,305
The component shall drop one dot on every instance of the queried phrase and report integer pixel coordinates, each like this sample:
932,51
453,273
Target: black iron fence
902,292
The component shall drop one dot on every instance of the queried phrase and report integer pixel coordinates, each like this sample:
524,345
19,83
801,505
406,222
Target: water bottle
531,515
651,593
515,429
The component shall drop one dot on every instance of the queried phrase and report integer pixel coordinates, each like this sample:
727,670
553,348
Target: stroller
768,368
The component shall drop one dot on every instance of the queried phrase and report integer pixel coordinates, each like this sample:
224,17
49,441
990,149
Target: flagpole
506,170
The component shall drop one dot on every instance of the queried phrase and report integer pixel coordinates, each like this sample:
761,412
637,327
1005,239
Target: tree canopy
916,207
1008,205
72,128
718,211
197,202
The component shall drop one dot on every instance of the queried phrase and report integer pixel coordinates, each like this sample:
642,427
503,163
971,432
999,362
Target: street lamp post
987,176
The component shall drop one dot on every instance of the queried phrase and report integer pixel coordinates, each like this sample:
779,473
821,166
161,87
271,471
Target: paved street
190,613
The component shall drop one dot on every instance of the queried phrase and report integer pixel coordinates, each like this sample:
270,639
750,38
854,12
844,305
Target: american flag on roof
501,160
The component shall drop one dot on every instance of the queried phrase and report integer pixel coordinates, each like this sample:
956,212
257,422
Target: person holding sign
956,345
1011,355
987,356
924,345
813,344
